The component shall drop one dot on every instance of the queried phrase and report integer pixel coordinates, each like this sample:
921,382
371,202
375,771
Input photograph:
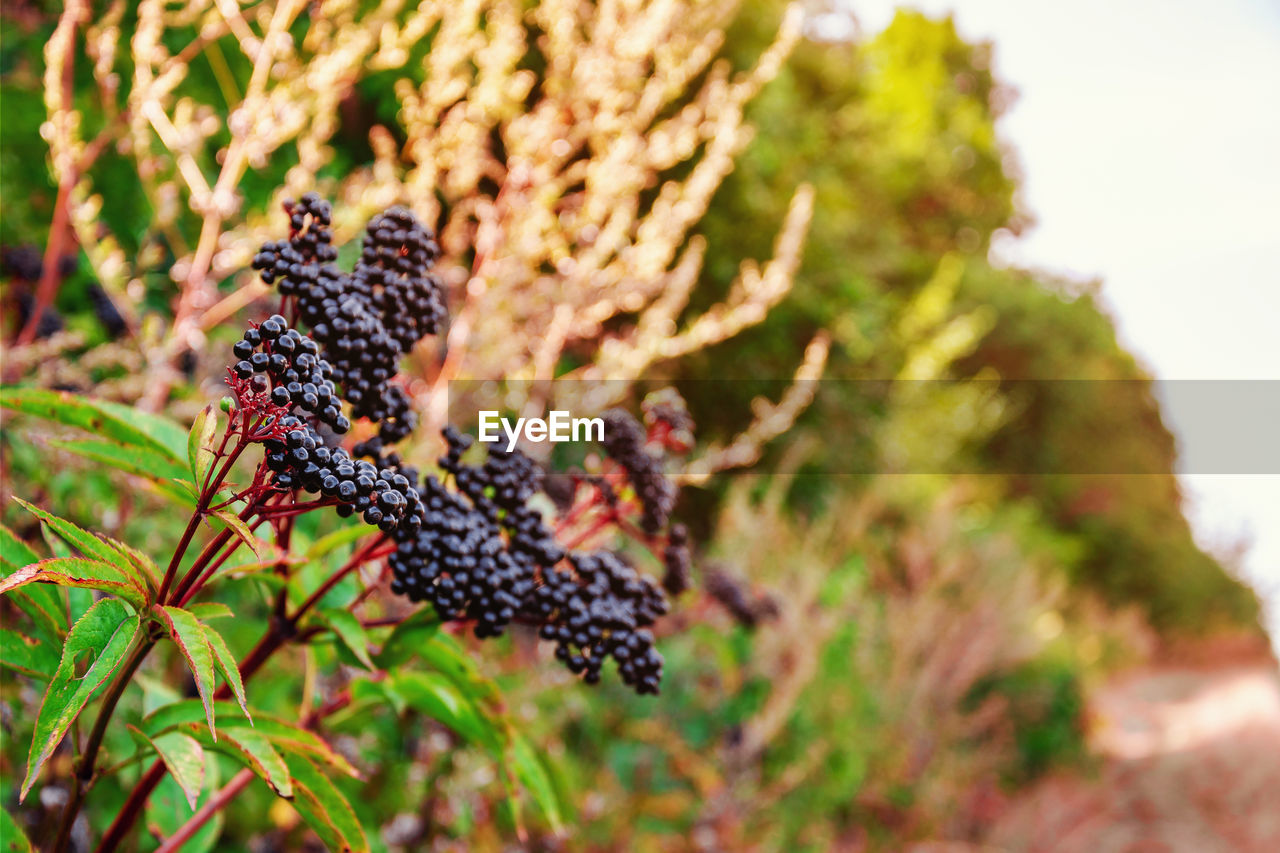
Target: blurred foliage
897,134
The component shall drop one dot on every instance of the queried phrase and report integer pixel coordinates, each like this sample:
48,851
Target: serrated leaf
255,751
91,546
14,553
206,610
241,530
74,572
200,452
144,564
180,713
167,809
227,665
184,756
101,417
99,640
43,604
347,628
188,633
285,736
27,655
288,738
138,460
324,807
12,838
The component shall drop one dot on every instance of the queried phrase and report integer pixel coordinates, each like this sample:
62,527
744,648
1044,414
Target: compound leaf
167,809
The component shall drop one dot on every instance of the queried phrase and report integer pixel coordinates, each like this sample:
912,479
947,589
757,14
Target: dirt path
1190,762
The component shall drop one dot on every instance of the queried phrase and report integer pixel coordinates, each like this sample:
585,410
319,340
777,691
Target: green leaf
167,809
26,655
91,546
157,694
284,735
12,838
255,751
14,553
141,461
289,738
184,756
407,638
324,807
240,529
180,713
99,641
74,572
534,777
188,633
206,610
82,540
43,604
226,665
146,566
200,450
349,632
103,418
336,539
436,696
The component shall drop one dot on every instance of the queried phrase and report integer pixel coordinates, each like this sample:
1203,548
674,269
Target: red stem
223,796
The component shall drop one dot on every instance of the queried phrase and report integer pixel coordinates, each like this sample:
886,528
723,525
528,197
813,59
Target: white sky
1148,133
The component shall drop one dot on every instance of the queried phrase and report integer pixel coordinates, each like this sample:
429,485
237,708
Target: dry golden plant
938,609
564,197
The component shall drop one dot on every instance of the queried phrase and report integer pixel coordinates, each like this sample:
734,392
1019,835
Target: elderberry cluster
624,442
385,497
480,549
474,548
367,319
602,609
676,560
298,375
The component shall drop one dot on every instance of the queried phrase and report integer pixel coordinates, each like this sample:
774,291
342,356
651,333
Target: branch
223,796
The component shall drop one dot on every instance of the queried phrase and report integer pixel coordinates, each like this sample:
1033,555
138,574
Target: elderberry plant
312,421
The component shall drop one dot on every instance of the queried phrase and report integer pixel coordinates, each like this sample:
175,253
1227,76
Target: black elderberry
624,442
